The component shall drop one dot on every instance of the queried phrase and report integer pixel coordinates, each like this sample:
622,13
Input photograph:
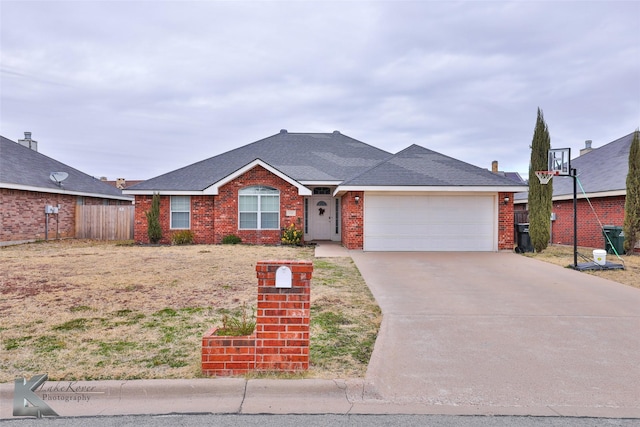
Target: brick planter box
228,355
281,338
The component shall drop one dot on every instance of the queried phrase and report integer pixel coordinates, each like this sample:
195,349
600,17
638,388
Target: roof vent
336,132
587,147
28,142
283,131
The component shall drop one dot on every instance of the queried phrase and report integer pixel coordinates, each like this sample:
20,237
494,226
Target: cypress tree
631,226
539,194
154,231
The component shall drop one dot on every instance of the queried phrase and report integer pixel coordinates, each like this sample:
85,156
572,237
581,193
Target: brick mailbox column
280,341
282,324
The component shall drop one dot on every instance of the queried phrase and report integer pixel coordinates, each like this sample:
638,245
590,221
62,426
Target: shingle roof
418,166
301,156
22,167
600,170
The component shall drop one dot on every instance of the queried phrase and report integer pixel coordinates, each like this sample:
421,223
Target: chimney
494,166
587,147
28,142
120,183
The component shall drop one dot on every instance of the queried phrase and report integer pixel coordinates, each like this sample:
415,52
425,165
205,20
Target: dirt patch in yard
563,255
97,310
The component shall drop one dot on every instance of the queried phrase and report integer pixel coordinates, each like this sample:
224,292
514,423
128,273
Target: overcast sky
134,89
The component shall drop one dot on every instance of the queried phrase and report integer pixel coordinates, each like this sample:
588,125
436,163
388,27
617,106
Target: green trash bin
613,239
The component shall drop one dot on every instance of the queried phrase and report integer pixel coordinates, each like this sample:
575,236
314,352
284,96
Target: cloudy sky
135,89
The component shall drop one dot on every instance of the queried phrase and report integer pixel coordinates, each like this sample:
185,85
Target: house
333,187
121,183
34,206
602,174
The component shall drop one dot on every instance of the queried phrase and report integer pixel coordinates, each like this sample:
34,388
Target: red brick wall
22,215
226,207
224,355
214,217
143,205
505,222
352,220
610,210
281,338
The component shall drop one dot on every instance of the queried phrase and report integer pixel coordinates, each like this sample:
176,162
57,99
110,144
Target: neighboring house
333,187
602,172
121,183
513,176
26,191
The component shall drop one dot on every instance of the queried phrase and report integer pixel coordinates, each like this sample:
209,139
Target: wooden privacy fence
520,217
104,222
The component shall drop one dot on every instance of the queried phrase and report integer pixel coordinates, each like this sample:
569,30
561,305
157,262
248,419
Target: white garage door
430,223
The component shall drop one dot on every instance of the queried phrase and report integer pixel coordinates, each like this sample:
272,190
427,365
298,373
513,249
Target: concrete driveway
499,333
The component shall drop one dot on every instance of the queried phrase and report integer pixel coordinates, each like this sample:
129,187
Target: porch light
506,199
357,199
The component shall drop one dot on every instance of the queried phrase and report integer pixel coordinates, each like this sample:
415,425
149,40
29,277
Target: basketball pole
574,175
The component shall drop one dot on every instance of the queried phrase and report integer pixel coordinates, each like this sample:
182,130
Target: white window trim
259,211
171,227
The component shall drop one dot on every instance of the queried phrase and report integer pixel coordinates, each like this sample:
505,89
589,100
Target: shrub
291,235
182,237
154,231
231,239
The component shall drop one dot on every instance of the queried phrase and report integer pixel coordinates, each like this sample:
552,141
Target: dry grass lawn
80,310
563,255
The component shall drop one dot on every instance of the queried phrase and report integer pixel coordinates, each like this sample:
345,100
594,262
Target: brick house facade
28,185
323,183
610,211
23,217
214,217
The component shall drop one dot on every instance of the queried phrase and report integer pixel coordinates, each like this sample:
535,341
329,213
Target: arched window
259,208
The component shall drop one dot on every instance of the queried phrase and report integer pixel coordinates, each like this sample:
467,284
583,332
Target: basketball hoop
545,176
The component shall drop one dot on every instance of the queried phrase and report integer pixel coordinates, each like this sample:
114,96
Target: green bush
231,239
182,237
291,235
154,230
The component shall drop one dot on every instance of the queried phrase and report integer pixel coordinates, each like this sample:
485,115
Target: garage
419,222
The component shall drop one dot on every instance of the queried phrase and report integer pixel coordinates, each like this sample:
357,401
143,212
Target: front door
321,218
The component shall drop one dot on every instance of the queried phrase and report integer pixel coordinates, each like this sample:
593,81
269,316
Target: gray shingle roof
602,169
301,156
23,167
418,166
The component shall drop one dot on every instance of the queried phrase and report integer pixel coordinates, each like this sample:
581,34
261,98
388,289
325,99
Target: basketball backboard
560,161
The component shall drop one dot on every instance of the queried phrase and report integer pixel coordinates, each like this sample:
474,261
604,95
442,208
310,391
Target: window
180,212
337,216
259,208
321,190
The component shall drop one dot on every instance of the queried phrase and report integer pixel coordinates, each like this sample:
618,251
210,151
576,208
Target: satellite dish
58,177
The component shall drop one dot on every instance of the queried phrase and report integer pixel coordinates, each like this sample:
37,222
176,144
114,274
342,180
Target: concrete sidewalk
328,249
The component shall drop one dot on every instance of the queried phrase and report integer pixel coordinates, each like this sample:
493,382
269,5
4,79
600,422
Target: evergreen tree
539,194
632,201
154,231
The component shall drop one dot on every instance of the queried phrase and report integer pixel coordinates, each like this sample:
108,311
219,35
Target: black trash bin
613,239
523,239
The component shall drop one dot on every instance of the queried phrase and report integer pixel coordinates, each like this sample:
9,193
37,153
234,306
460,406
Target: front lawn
82,310
563,255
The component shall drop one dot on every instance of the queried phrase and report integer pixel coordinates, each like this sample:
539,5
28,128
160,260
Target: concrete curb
218,395
259,396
